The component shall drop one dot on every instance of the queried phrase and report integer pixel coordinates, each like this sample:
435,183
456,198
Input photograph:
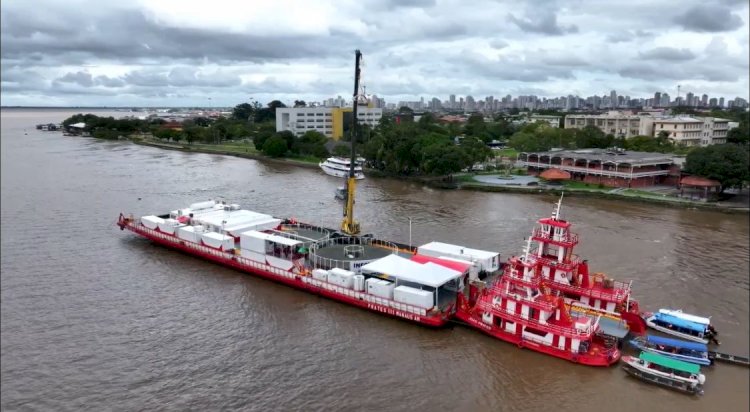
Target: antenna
556,212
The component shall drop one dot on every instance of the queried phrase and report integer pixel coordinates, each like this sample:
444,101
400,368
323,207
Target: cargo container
189,233
151,222
257,241
415,297
218,241
488,261
168,226
341,277
320,274
380,288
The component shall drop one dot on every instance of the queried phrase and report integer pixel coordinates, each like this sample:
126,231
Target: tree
275,147
342,150
245,111
300,103
476,150
727,163
740,134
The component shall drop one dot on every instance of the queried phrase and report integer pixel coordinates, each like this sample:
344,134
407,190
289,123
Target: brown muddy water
97,319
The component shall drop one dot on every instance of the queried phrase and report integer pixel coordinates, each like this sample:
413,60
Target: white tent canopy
428,274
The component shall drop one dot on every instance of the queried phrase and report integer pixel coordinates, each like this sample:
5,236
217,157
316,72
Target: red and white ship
567,275
373,274
518,308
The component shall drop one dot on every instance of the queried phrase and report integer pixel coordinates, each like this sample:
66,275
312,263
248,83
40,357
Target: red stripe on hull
296,281
583,359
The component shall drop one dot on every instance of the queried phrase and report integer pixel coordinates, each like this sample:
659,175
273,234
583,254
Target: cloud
177,52
667,53
709,18
541,20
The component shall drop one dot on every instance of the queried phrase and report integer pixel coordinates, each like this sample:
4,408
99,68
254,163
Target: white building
619,124
552,121
326,120
693,131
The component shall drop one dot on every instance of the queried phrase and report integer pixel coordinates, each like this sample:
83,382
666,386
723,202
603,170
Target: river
98,319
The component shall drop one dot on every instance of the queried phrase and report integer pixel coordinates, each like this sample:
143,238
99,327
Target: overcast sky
222,53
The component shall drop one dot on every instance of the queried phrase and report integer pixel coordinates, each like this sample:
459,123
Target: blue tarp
676,343
681,323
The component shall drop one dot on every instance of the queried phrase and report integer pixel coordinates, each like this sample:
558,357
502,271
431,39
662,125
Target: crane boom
348,225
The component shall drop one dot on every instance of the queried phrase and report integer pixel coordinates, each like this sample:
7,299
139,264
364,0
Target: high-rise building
721,102
613,99
689,99
452,101
713,102
704,100
657,99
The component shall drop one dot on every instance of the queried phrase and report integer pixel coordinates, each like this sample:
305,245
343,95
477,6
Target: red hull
583,359
278,275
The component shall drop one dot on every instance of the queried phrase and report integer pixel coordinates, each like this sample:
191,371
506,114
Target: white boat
691,318
678,326
339,167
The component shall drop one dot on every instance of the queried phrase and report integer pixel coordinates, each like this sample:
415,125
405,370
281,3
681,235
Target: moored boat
692,352
567,275
339,167
689,327
660,370
516,308
310,258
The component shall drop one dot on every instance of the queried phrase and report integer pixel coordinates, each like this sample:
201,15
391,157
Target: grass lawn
512,153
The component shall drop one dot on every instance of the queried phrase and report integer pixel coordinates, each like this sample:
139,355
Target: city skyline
180,53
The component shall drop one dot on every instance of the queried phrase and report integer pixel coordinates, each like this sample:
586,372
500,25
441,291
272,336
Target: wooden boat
661,370
692,352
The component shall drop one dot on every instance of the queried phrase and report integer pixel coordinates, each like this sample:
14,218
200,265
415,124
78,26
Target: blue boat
678,326
692,352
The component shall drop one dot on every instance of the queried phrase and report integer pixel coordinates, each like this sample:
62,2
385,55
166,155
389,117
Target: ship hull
583,359
305,283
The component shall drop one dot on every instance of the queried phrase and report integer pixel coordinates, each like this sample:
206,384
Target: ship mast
348,225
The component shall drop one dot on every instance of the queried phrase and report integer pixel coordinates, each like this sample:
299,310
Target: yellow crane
348,225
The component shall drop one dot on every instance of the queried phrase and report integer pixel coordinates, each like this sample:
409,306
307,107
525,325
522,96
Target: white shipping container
359,283
151,222
203,205
414,297
187,233
254,241
380,288
168,226
320,274
341,277
218,241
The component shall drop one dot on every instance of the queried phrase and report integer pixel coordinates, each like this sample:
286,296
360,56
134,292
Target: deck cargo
151,222
488,261
168,226
415,297
380,288
341,277
320,274
218,241
359,283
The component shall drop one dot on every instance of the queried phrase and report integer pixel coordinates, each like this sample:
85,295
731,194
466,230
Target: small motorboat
692,352
683,325
664,371
340,193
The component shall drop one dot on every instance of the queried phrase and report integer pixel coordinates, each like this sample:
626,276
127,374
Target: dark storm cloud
667,53
130,36
542,20
709,18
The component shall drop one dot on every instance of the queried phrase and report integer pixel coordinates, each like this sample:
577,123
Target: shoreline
440,183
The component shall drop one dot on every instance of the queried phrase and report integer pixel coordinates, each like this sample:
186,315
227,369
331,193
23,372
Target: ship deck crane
349,225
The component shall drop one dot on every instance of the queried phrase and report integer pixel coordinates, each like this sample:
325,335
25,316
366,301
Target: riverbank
460,182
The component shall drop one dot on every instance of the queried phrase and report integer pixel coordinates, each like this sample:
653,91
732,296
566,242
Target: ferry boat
567,275
660,370
683,325
339,167
517,308
692,352
361,271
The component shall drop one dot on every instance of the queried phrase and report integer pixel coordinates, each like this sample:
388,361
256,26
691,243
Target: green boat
661,370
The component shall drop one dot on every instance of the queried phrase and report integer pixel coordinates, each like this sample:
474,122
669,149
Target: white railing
594,171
